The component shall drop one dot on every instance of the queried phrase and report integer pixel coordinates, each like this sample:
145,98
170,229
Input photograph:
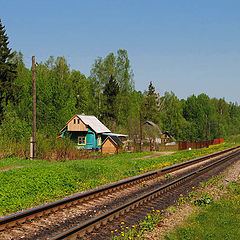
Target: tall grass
49,148
234,138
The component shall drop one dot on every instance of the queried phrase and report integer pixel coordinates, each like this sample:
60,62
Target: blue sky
184,46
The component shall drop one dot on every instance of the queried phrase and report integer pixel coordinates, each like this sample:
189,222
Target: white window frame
99,141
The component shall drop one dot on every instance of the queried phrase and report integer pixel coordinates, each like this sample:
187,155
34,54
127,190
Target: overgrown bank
25,183
217,216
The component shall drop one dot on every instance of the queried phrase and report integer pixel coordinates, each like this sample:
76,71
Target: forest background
108,93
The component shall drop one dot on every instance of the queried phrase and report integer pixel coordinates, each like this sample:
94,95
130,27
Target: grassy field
218,220
25,183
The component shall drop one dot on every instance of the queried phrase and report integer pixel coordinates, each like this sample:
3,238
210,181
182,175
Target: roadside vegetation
48,148
25,183
218,216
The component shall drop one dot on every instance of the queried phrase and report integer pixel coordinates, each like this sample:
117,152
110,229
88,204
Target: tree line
108,93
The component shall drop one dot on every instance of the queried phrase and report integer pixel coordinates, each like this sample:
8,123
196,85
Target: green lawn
41,181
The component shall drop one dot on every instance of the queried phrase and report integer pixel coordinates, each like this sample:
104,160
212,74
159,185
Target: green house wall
91,138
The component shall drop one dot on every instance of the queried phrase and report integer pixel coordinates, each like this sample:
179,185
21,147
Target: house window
74,121
78,121
99,142
82,140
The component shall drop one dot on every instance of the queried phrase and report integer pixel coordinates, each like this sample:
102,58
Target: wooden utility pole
209,131
141,132
206,131
33,152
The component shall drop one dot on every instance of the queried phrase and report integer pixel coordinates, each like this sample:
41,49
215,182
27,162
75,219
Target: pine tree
151,90
149,105
110,93
7,71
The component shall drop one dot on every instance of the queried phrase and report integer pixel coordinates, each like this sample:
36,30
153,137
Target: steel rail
30,214
95,223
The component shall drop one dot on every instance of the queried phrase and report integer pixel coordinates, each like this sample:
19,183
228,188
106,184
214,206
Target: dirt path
9,168
155,155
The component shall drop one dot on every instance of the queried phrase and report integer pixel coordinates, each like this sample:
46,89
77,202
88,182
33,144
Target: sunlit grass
41,181
217,220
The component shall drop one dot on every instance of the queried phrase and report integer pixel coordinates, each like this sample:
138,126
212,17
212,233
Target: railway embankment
210,211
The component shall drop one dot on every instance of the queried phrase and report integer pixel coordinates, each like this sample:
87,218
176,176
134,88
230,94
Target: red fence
197,145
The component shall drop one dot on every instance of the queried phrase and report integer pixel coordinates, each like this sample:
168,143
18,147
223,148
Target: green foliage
48,147
171,115
149,222
110,93
83,92
56,100
7,71
218,215
107,93
124,73
13,126
149,105
171,209
203,201
193,113
113,68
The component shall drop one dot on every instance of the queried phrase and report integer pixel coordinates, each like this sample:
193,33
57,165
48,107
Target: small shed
111,145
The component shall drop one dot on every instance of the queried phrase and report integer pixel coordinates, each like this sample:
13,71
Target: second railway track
14,224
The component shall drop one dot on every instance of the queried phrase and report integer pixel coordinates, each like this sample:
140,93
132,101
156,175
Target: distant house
166,137
89,133
152,124
153,131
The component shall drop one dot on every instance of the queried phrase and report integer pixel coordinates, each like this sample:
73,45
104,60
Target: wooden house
88,132
152,131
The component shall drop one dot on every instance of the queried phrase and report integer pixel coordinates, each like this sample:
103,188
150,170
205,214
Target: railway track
93,224
97,221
